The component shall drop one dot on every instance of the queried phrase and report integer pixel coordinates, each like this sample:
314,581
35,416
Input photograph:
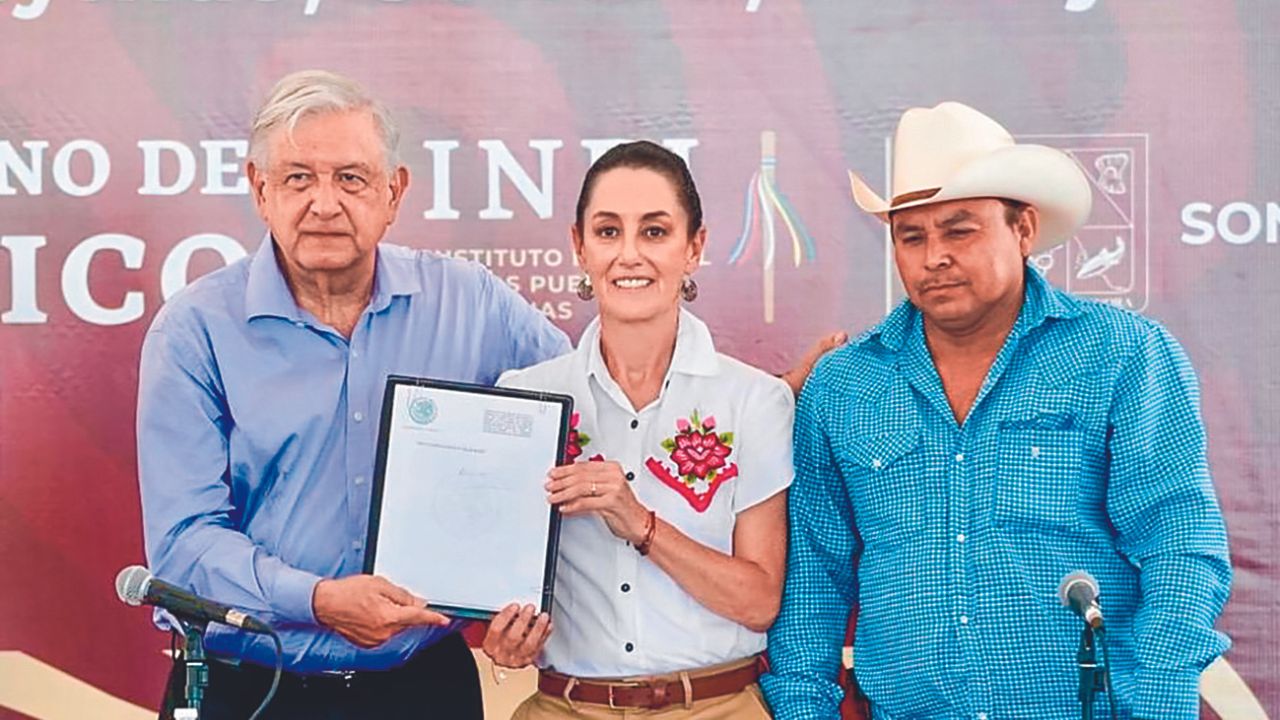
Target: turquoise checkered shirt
1084,450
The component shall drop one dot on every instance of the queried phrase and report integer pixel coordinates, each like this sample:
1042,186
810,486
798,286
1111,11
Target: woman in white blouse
673,544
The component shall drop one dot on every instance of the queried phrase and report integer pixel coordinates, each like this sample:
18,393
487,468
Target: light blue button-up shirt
1084,450
257,426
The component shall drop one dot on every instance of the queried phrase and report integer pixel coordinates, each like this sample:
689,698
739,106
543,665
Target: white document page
465,518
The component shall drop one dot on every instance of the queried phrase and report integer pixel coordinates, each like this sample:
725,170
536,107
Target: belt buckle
658,697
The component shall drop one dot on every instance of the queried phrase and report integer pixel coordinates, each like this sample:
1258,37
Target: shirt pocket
1038,478
889,491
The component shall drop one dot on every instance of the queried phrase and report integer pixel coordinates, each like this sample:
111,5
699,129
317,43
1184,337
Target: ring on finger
594,491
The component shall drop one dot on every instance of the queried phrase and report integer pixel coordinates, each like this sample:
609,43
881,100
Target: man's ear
257,187
1028,229
399,186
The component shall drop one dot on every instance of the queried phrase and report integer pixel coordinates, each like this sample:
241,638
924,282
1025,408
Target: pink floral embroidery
699,454
576,441
701,457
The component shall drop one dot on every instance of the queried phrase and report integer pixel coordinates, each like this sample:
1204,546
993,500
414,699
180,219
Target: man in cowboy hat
990,437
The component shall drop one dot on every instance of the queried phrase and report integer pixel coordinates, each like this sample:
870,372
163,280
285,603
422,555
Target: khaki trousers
748,704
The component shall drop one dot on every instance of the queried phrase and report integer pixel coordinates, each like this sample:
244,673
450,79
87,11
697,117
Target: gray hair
311,92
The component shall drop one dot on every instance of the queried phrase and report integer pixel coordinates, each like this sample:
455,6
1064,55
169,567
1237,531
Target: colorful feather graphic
763,204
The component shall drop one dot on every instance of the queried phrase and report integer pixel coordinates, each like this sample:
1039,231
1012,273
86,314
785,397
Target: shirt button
299,323
960,538
635,424
629,647
1035,451
355,353
359,416
964,619
359,480
982,716
626,587
356,544
959,457
876,463
631,475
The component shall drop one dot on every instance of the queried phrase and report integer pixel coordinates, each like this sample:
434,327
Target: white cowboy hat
953,152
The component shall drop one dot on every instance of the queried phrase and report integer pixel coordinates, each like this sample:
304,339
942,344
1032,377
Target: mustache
934,283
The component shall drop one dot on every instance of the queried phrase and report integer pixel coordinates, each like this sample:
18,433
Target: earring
585,291
689,289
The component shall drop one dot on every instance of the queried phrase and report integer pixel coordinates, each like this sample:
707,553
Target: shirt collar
268,295
393,276
695,352
1040,301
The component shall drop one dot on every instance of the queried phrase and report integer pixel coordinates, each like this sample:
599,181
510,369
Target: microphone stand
1093,676
197,670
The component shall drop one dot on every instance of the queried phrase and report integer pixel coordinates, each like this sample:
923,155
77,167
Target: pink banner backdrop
123,129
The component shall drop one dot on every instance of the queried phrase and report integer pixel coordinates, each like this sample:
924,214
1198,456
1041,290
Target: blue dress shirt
1084,450
257,427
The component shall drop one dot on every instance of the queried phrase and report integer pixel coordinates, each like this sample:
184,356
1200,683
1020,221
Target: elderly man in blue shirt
992,435
258,401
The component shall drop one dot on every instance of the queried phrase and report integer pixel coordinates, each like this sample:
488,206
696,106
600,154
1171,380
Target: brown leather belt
649,693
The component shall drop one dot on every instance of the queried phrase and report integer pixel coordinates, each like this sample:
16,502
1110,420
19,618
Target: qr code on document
497,422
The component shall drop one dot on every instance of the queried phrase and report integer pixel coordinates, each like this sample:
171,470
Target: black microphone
1079,591
137,586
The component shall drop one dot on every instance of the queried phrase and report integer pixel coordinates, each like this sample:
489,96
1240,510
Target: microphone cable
1106,661
275,681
